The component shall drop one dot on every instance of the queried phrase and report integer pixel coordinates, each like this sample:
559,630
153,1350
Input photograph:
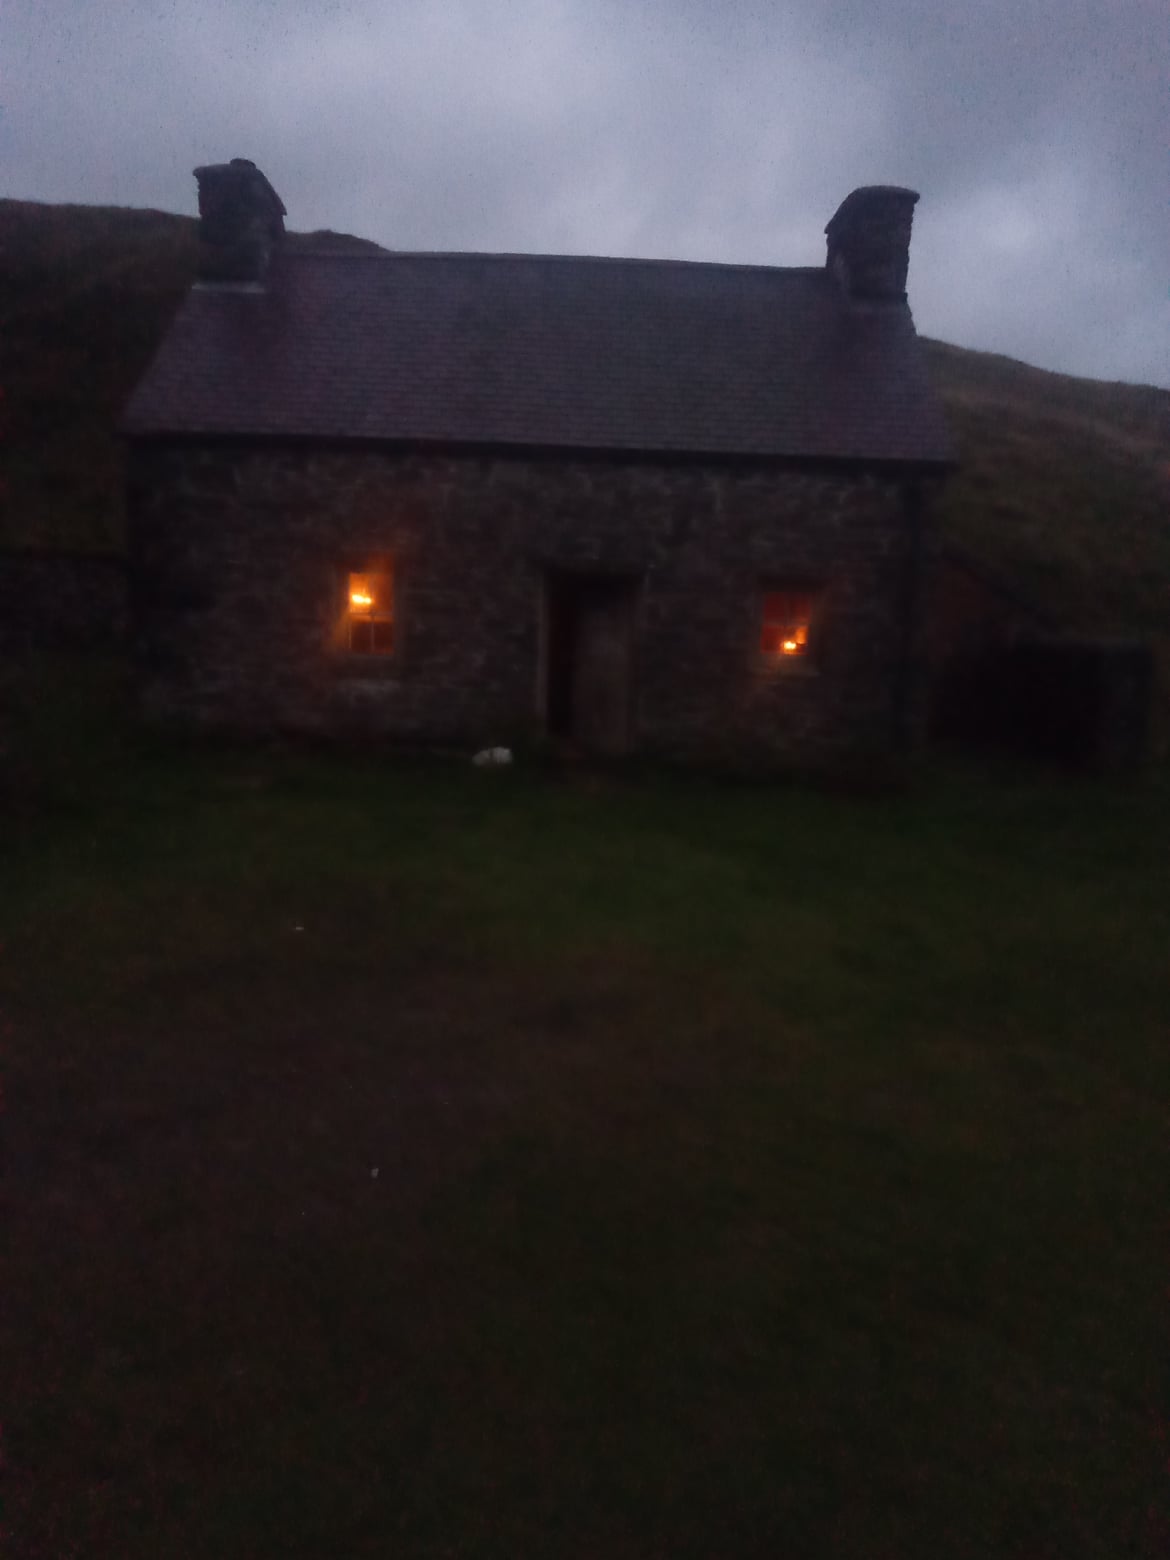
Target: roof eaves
531,451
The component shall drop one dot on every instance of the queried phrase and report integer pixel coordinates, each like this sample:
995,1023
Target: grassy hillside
86,293
1065,484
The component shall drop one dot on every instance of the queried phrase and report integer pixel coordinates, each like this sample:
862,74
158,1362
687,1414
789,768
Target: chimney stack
240,218
869,241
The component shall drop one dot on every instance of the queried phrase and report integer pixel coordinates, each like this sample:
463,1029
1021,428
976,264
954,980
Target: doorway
589,661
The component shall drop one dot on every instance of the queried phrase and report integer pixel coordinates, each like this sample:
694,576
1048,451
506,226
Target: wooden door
602,698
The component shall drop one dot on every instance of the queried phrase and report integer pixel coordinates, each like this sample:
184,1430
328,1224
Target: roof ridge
505,254
588,352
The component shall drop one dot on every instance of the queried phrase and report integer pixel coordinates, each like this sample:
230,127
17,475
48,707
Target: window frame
810,594
353,657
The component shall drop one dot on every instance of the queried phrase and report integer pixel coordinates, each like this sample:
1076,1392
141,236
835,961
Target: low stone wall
1082,703
62,600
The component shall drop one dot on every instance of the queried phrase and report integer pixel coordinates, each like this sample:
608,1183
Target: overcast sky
1037,131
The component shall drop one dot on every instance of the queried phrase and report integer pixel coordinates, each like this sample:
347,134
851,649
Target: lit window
787,622
371,613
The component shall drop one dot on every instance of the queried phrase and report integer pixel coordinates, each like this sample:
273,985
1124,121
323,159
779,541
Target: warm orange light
362,593
787,619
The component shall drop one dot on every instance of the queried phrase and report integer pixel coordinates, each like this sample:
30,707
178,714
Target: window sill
371,668
777,666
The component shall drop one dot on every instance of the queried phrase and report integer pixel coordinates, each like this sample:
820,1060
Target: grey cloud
1037,132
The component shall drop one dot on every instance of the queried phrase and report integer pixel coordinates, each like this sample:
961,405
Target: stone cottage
641,506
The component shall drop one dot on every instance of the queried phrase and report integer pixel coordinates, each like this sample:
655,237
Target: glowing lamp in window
370,611
786,625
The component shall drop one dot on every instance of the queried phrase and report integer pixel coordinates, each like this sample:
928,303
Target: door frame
555,580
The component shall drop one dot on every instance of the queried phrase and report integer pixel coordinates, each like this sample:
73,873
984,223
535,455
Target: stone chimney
869,241
240,218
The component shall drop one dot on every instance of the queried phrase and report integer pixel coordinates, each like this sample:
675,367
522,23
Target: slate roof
650,356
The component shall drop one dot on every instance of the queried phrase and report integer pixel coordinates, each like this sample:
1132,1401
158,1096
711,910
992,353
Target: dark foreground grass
757,1172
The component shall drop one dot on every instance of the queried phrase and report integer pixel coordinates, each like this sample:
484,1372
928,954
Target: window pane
361,594
382,641
382,591
361,636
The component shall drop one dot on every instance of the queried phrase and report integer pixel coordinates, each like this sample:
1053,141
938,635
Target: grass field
758,1172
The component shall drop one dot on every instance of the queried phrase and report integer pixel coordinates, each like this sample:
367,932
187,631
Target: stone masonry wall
240,559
